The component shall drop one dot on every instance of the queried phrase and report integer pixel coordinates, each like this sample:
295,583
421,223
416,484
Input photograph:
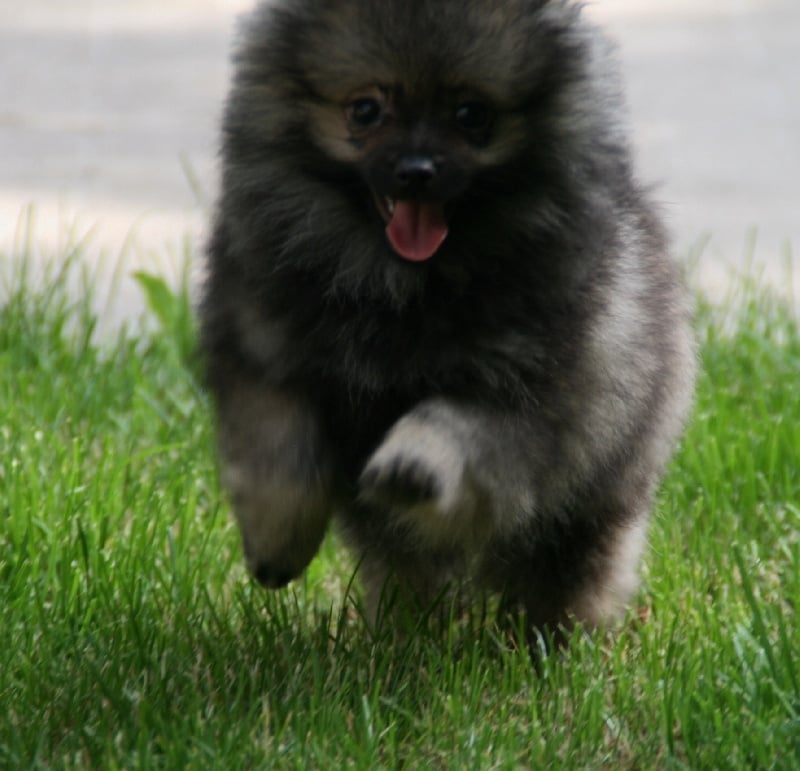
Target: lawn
131,636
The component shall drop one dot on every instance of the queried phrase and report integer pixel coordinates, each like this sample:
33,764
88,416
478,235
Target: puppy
438,305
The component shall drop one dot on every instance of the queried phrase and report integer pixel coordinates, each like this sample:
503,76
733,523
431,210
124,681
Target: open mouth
415,229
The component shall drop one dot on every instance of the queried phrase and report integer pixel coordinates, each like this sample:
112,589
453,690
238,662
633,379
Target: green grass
130,636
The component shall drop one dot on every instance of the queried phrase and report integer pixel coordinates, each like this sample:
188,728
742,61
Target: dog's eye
473,116
365,112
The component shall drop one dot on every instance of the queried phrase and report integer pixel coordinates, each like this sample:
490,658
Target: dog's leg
273,466
488,488
445,473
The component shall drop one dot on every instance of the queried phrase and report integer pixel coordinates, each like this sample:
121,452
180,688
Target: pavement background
109,112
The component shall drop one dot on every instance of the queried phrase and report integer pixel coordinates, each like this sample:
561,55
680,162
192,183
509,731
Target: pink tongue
416,230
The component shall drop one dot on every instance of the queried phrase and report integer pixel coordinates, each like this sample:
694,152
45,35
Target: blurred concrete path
108,120
109,112
714,92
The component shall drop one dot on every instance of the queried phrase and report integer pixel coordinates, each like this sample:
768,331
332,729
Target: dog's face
417,154
437,134
424,103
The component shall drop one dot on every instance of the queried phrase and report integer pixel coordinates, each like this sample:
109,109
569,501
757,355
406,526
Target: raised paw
419,477
399,481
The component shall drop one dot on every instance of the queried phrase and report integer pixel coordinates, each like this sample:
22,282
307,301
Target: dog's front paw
419,475
400,480
282,524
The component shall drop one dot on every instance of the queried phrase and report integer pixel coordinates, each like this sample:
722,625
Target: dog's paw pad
399,483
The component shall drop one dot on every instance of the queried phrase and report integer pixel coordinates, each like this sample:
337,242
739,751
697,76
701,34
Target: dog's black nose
270,577
413,172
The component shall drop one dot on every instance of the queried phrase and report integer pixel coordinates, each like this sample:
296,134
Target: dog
439,307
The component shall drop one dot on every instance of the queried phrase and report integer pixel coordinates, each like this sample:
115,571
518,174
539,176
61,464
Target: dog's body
438,305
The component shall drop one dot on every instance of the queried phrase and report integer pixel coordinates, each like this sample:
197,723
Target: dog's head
416,154
402,128
426,102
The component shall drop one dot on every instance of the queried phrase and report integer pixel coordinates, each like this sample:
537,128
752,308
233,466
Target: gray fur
496,416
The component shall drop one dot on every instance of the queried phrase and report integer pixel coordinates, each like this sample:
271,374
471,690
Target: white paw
419,475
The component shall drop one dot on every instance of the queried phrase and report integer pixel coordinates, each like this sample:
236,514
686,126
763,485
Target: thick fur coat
438,305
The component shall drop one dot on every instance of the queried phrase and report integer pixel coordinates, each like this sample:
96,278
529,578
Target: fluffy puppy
438,306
